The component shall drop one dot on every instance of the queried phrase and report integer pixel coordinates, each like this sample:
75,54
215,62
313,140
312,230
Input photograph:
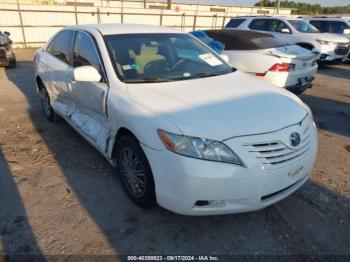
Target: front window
60,46
303,26
161,57
84,52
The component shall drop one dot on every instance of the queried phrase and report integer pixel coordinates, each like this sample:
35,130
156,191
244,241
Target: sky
252,2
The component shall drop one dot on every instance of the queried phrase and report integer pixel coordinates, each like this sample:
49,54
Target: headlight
329,43
200,148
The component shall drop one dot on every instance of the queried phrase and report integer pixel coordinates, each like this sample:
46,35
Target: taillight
282,67
260,74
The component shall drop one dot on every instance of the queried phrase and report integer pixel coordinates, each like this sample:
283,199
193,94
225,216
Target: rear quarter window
234,23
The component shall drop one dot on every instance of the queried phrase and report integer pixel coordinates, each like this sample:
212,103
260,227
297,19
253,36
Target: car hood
327,37
220,107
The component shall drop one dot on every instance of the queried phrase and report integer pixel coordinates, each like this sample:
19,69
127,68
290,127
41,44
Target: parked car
334,25
333,48
7,56
217,46
193,134
262,55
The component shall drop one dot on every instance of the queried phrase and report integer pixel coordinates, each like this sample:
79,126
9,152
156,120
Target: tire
135,172
13,63
46,105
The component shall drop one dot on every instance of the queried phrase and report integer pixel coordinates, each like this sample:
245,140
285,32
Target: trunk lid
294,54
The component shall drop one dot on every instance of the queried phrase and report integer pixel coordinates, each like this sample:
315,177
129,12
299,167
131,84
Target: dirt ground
59,196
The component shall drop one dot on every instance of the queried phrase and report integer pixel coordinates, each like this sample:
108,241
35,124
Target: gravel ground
58,195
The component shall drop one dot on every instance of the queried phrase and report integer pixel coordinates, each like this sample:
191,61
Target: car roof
113,29
324,18
266,17
239,33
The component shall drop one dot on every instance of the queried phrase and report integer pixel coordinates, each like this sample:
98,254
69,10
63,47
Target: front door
89,97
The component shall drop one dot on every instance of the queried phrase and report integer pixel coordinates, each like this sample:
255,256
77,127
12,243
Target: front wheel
135,172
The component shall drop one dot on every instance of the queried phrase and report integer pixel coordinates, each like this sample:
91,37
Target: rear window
234,23
245,40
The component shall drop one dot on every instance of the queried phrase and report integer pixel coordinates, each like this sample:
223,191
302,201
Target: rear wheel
135,172
46,105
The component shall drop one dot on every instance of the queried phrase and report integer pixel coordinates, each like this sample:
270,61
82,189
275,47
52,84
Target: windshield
303,26
162,57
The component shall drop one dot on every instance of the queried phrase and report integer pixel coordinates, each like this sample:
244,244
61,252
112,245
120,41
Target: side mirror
346,31
86,74
7,33
225,58
285,31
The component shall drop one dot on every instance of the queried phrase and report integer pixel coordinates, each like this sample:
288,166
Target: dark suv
7,56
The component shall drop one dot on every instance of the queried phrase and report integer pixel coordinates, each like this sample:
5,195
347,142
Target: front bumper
197,187
334,55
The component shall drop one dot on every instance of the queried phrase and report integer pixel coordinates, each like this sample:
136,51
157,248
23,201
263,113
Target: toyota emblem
294,139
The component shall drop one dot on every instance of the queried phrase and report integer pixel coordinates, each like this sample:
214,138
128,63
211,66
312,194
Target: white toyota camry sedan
186,131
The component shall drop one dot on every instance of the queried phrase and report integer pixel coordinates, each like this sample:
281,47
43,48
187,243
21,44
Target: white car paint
259,63
344,20
327,49
251,117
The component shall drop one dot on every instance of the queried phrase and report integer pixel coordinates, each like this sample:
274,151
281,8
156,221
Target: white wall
40,22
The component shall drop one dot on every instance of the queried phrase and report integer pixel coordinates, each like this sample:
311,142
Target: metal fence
33,25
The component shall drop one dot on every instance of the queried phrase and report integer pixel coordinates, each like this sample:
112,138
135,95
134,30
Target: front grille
2,53
341,49
276,153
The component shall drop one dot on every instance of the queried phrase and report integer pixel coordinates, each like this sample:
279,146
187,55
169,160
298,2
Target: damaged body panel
93,109
7,56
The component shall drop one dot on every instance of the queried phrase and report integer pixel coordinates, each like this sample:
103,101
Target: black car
7,56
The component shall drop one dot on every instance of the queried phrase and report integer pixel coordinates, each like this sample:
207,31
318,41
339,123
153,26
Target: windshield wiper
148,80
209,74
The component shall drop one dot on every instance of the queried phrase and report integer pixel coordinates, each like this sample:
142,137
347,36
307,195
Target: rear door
54,64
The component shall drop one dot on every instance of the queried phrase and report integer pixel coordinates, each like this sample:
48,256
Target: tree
306,9
168,2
